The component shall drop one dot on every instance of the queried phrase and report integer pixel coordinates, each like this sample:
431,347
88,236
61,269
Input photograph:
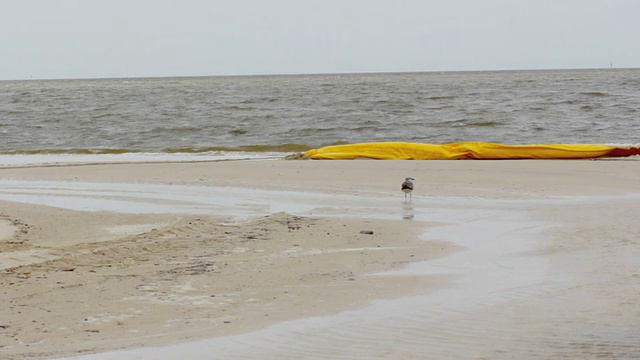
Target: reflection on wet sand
407,210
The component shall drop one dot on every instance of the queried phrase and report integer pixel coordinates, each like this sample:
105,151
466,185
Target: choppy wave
595,93
469,123
285,148
442,97
481,123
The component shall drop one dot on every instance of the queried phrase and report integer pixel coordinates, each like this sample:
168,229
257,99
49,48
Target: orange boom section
468,150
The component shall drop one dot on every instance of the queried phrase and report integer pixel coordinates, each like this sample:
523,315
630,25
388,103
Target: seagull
407,187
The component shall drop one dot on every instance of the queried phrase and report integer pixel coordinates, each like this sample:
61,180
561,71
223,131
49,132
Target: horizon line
317,74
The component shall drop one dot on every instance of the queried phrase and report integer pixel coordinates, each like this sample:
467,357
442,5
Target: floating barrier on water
468,150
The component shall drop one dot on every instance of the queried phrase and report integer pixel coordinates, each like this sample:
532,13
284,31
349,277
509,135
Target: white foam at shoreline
66,159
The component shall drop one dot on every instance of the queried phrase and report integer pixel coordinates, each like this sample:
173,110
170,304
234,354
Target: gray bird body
407,187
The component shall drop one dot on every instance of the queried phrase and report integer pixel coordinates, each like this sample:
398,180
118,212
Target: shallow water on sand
511,296
525,284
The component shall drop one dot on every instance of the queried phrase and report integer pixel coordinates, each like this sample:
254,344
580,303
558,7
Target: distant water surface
298,112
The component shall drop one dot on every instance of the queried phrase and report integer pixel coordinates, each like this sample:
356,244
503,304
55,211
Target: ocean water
284,114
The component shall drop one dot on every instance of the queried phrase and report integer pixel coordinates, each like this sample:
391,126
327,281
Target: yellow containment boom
468,150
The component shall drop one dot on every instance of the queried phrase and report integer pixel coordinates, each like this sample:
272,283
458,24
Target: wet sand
266,259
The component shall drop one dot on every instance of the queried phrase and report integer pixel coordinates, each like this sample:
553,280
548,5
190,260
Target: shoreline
497,234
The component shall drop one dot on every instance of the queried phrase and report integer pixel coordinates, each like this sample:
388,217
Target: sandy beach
279,259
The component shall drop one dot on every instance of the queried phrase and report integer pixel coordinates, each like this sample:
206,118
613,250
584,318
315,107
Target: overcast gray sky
131,38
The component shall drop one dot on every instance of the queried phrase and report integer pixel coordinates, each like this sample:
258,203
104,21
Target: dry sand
266,259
